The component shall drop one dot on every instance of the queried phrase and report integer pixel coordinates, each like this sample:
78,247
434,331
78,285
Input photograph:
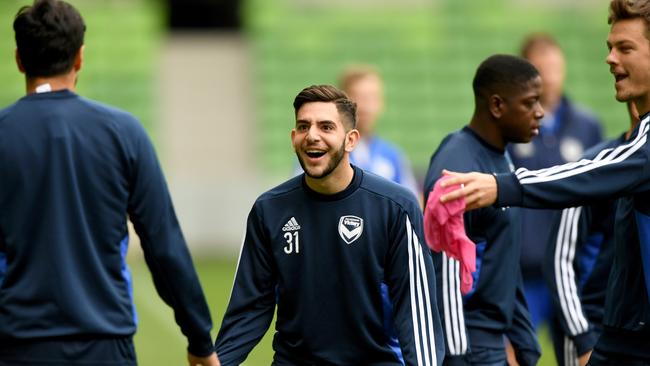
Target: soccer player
622,172
340,251
565,132
71,169
507,109
364,86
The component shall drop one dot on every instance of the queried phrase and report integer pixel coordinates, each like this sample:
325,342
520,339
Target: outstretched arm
478,189
612,173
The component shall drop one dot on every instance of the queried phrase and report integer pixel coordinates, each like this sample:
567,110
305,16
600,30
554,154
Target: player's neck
642,105
488,132
59,82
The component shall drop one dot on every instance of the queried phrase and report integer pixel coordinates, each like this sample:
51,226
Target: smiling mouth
619,77
314,153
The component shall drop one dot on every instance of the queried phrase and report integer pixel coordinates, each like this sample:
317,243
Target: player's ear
496,105
79,58
19,63
351,139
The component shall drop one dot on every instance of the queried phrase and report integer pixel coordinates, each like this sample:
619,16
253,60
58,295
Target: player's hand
211,360
478,189
511,354
582,360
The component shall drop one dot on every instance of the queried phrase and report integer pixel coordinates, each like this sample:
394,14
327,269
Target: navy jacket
573,131
70,171
352,279
622,172
578,260
495,306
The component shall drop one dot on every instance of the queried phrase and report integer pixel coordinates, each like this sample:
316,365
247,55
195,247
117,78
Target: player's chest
315,236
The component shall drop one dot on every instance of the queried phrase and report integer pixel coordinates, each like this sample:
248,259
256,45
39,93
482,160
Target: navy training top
70,171
349,273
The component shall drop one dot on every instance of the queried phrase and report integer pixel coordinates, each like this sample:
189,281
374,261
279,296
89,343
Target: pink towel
444,231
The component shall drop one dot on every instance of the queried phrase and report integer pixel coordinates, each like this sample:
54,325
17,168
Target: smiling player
341,253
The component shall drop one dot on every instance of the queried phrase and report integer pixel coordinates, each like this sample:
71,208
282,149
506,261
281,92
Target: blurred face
629,62
521,112
550,63
320,139
368,93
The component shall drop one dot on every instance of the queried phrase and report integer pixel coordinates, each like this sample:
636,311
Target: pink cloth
444,231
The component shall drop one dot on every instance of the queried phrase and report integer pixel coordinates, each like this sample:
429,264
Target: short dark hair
630,9
500,72
49,34
329,94
536,41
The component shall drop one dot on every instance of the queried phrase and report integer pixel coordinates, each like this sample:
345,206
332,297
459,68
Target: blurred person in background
578,260
364,86
339,252
479,320
566,131
71,169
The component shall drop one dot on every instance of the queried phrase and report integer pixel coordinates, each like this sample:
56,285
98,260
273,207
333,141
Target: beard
334,162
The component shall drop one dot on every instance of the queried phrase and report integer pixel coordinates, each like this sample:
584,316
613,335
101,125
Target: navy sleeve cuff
585,342
509,192
201,348
527,357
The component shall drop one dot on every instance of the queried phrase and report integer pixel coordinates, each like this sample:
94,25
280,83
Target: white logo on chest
350,228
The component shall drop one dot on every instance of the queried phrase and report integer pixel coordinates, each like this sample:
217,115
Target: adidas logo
291,225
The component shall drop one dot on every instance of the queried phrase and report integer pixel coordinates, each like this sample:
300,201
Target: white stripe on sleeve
422,316
606,157
453,306
565,274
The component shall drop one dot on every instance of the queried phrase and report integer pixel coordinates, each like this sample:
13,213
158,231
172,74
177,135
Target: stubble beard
333,164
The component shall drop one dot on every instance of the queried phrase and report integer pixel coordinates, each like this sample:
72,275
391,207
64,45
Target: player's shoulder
109,112
282,190
461,139
458,150
593,151
387,189
7,110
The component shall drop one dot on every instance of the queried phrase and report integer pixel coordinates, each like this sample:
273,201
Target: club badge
350,228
